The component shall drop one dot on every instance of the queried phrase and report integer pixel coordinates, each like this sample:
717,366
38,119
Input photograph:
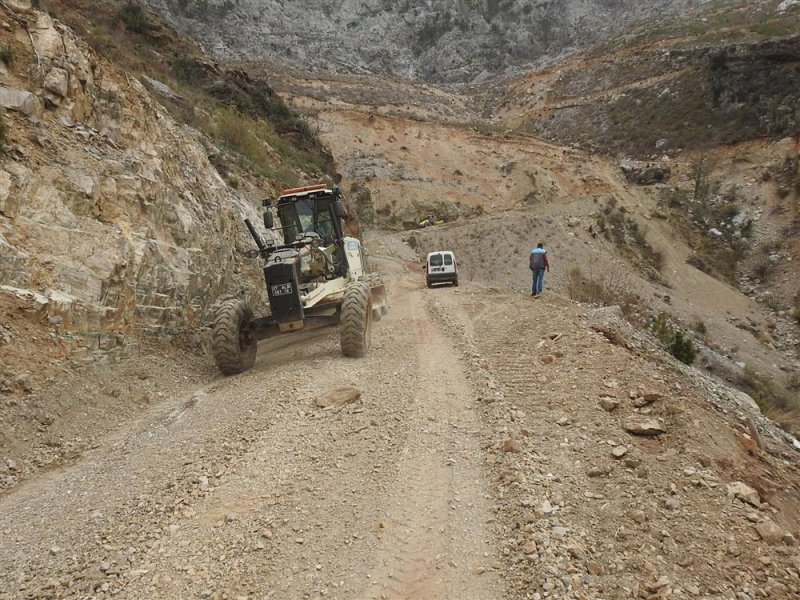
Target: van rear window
448,260
435,260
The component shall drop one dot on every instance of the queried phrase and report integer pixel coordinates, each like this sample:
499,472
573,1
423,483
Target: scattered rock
510,445
649,427
594,568
19,100
619,451
162,89
646,399
546,509
598,471
609,404
744,492
576,552
559,531
639,516
770,532
659,584
633,463
643,173
672,503
338,396
57,81
529,547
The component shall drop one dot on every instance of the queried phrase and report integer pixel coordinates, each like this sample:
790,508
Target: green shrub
364,206
674,340
6,54
763,269
132,14
187,70
683,348
794,382
700,328
260,147
629,237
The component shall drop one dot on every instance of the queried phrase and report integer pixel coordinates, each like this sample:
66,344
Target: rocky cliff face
448,40
111,217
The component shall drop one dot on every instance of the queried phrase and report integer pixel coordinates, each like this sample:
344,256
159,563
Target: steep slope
112,216
730,77
117,228
453,40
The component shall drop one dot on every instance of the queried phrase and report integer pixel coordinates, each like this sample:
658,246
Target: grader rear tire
233,343
355,331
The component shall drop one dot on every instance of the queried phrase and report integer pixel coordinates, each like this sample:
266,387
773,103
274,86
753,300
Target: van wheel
428,283
455,282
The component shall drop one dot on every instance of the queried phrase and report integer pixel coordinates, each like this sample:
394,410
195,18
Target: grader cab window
305,215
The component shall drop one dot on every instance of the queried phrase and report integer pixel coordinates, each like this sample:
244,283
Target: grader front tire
355,331
233,343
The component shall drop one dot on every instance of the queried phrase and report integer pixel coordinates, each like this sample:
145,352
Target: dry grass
607,288
237,111
781,406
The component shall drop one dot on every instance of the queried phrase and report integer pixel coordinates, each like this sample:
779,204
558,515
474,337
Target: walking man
538,264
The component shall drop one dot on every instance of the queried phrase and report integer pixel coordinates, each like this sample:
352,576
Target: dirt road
490,455
244,488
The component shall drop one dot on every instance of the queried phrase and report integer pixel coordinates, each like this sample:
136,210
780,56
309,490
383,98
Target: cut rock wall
111,216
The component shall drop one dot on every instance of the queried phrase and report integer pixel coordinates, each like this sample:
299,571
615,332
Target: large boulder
19,100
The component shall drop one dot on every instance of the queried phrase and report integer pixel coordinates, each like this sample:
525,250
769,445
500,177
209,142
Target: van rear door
435,263
449,263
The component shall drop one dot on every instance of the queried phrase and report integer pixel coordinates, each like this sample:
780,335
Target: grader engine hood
283,288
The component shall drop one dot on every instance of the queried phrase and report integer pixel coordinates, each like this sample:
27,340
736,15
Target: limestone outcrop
111,216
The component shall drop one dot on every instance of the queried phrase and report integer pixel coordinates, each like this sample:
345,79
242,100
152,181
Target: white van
441,267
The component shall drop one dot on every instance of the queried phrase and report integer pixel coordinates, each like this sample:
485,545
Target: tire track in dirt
436,540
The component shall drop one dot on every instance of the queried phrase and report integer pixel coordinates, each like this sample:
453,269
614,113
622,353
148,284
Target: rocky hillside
452,40
704,238
114,214
667,87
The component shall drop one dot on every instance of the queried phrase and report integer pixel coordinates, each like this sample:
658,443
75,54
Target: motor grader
315,277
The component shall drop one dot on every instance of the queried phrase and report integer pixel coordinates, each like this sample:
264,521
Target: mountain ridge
451,41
